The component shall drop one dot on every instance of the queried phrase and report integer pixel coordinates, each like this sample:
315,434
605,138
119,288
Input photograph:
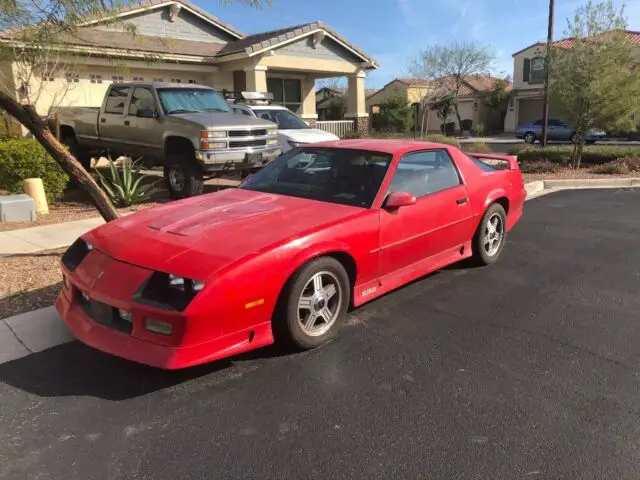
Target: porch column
256,78
308,107
356,108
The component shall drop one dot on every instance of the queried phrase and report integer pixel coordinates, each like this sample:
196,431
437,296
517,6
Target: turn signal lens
204,134
157,326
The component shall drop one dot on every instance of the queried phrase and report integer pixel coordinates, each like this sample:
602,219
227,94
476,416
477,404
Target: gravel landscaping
568,174
29,281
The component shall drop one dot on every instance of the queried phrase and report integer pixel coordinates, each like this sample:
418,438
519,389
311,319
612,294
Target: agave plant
124,183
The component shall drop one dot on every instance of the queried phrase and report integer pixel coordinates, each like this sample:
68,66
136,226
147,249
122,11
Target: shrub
521,148
543,166
467,124
632,163
22,159
448,128
435,138
621,166
9,128
124,183
477,147
479,130
591,155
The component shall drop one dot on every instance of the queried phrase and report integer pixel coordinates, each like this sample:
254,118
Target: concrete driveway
528,369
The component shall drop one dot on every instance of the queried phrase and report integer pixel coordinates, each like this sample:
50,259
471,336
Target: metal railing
341,128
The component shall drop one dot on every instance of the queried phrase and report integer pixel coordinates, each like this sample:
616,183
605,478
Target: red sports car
322,228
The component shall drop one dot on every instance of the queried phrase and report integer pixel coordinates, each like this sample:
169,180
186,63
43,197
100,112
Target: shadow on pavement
73,369
30,300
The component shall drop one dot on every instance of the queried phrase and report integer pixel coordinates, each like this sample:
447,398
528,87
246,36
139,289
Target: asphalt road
529,369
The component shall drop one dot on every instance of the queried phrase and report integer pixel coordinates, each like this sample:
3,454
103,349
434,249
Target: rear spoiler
502,162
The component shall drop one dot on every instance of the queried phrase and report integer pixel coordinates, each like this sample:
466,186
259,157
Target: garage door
530,110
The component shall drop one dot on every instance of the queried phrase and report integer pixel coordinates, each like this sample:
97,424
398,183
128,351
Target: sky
394,31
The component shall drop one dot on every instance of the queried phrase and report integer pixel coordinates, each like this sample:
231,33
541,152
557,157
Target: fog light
157,326
125,315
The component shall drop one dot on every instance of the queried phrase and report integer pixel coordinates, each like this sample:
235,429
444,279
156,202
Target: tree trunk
578,159
455,107
28,117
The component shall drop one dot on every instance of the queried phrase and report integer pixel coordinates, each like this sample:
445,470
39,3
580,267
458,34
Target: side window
424,173
538,123
142,98
116,99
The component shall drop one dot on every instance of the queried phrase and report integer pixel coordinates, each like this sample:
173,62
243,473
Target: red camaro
283,256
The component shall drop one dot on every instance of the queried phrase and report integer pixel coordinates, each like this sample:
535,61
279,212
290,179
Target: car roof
391,146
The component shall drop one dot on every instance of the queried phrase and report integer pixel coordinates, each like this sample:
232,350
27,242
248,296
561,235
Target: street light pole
545,107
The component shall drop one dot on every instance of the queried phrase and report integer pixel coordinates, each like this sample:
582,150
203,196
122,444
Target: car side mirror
147,113
399,199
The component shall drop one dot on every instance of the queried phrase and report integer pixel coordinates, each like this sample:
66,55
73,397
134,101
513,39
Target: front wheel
491,236
183,176
313,305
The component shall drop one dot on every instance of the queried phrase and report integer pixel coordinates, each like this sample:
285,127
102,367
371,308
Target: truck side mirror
147,113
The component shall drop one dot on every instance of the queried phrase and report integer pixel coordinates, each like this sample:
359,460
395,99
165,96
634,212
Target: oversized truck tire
183,176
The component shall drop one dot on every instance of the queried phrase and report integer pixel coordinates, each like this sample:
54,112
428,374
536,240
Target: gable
327,49
185,26
392,88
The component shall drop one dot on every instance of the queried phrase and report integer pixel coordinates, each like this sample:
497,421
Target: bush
467,124
621,166
477,147
9,128
591,155
448,129
22,159
521,148
435,138
543,166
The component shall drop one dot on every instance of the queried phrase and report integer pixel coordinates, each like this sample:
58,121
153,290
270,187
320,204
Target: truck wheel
81,154
183,176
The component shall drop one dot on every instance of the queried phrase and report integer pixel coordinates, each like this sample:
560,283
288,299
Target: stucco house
179,42
326,101
528,81
415,89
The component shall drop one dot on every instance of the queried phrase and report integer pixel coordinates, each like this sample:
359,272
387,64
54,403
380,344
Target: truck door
111,120
143,131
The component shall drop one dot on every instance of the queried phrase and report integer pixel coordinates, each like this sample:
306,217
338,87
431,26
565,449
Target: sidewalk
47,237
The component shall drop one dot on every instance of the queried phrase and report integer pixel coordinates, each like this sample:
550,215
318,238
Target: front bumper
237,159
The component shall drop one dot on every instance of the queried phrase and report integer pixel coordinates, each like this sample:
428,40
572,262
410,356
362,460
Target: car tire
321,289
530,138
183,176
492,228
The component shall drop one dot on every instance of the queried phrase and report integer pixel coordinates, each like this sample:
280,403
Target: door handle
103,120
461,201
126,123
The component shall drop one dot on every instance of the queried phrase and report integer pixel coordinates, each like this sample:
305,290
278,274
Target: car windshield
335,175
191,100
285,119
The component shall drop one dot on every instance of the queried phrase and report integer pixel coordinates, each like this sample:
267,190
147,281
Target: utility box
17,208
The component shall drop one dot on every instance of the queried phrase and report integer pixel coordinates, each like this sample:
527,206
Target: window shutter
526,69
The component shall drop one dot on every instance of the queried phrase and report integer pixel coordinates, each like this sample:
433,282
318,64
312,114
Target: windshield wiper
214,109
182,110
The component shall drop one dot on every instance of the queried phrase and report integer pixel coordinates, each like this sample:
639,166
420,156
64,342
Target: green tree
395,113
443,108
36,34
497,99
451,65
594,81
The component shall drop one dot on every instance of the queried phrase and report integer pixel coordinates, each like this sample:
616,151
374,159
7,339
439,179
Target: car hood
198,236
307,135
224,120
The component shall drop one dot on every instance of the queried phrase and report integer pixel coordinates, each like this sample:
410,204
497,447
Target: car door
143,133
441,220
111,126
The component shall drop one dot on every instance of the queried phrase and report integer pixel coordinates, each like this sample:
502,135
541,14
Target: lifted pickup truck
188,129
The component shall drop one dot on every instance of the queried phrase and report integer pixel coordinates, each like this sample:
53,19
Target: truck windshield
190,100
285,119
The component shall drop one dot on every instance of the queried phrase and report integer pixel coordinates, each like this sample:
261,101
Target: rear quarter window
488,164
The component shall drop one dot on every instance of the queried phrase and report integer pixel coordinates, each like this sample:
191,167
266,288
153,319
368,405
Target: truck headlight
272,141
272,131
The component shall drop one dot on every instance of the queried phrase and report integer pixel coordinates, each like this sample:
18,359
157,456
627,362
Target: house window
138,79
286,92
95,78
72,77
176,80
117,79
192,81
537,70
48,77
158,79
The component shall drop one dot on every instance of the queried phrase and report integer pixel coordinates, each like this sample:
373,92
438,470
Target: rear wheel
491,236
183,176
313,305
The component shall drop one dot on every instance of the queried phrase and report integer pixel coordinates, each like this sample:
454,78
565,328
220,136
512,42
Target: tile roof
471,86
631,36
259,41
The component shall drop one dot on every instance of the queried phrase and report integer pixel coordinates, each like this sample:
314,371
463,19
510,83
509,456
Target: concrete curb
544,187
31,332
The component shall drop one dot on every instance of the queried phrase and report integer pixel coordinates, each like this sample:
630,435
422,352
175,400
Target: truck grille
248,143
247,133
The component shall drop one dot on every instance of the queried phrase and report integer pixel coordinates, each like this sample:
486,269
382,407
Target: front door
143,135
441,220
